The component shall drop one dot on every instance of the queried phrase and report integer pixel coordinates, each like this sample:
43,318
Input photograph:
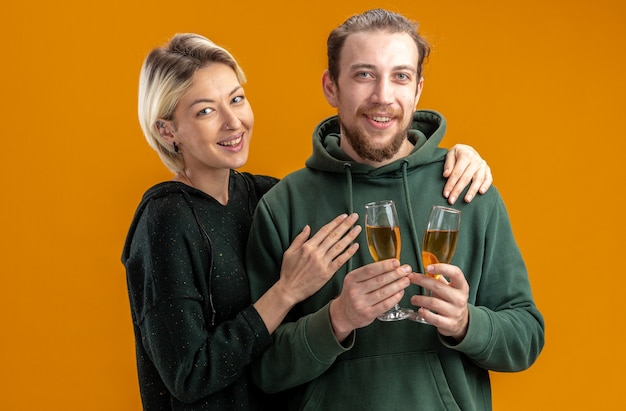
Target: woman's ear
163,127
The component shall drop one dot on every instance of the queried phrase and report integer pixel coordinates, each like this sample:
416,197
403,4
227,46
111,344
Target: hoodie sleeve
506,330
303,346
167,268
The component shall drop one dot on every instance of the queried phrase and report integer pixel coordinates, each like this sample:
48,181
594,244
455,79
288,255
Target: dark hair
374,20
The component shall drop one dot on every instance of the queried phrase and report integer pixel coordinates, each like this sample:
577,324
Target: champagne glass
439,241
384,242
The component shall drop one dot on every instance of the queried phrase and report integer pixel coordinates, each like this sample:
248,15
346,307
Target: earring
175,147
160,124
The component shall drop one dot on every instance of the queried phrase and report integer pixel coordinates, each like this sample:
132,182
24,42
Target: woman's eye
238,99
205,111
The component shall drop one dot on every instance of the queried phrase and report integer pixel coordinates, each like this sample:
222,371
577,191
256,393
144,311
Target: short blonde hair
165,76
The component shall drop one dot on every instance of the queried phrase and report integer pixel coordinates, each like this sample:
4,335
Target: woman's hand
464,164
309,263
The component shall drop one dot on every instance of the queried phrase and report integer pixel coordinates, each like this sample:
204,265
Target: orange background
536,86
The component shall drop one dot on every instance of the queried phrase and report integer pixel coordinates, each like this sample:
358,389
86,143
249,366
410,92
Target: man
331,352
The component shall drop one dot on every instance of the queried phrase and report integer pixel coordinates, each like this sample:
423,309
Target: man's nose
383,92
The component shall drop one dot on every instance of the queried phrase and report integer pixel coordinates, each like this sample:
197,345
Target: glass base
395,315
418,319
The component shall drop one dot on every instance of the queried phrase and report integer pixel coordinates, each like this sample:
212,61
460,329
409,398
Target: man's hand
367,292
447,308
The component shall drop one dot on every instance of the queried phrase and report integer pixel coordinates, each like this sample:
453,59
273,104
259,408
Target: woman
195,327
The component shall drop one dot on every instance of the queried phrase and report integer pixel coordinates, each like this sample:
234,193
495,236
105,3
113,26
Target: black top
195,328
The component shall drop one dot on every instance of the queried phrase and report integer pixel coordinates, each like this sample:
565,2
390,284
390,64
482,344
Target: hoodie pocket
410,381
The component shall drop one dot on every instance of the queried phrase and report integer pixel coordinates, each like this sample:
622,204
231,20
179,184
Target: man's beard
364,148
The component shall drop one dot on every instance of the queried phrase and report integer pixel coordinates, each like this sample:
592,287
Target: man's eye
363,75
403,76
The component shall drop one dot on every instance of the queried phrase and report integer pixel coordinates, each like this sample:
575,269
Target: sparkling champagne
383,242
438,246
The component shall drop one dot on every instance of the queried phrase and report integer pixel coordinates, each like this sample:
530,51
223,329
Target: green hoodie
400,365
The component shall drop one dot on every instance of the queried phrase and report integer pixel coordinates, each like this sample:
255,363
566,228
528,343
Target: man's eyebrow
362,66
407,67
359,66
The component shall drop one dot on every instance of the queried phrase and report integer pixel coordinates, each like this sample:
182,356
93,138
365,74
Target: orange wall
537,86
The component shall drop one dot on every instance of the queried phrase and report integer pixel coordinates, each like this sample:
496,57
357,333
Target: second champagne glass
384,242
440,239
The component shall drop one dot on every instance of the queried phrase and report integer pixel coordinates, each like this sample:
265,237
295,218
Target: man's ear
418,92
330,89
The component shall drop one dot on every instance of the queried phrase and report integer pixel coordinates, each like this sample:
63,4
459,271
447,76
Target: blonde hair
165,75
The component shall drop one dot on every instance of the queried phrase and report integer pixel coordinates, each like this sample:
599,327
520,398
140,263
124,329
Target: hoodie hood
185,216
425,134
160,190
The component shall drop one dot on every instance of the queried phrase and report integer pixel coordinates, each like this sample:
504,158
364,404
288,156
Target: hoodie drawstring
348,168
207,242
409,207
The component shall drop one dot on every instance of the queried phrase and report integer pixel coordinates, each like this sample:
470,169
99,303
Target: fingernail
452,199
468,198
446,193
